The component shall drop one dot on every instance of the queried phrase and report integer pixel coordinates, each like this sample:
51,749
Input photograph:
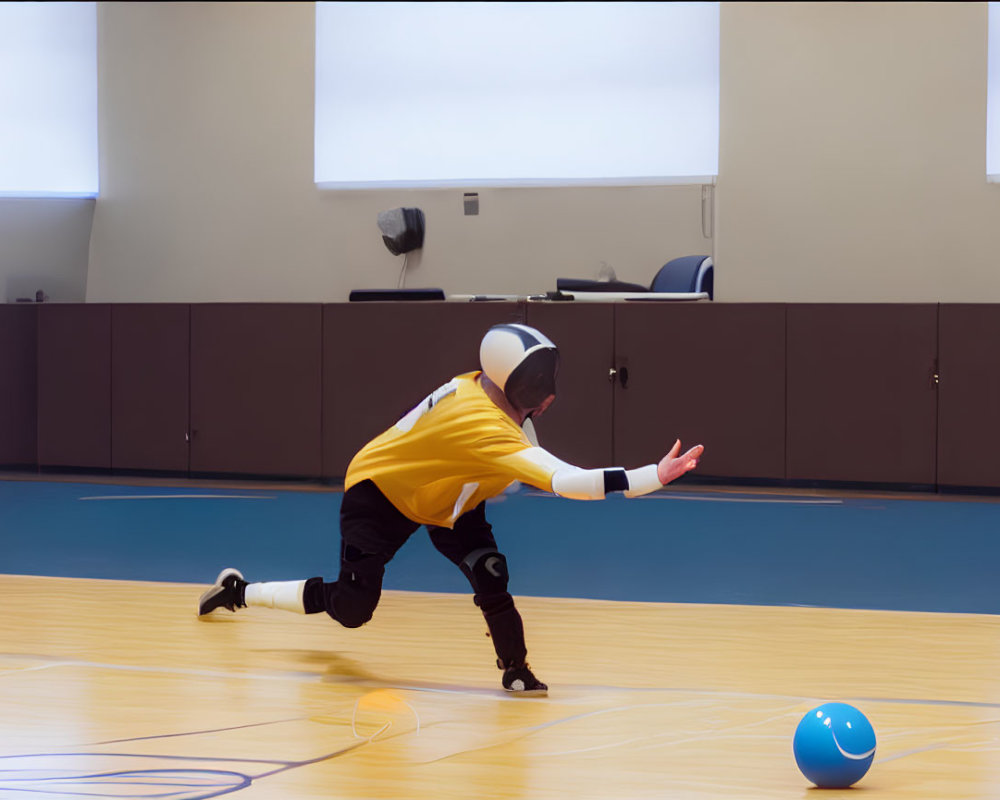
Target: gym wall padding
708,373
969,395
74,385
18,385
796,393
150,386
861,397
256,377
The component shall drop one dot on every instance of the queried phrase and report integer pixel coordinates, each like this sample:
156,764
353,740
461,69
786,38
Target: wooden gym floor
114,688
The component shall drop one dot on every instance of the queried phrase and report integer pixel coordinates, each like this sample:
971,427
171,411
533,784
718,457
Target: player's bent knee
486,570
352,604
352,615
349,621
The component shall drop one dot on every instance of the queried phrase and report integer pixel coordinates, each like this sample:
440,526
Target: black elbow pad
615,480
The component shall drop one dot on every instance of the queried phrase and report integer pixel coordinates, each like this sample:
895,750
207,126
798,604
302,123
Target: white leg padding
286,595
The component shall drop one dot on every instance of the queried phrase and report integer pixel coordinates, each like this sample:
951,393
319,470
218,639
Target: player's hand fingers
671,467
675,449
691,456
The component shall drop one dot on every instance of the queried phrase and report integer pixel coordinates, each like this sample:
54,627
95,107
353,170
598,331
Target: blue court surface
693,546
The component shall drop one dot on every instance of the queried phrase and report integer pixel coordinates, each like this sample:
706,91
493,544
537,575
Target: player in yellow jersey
464,443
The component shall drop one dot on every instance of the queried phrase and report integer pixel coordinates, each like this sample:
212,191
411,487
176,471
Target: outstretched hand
673,466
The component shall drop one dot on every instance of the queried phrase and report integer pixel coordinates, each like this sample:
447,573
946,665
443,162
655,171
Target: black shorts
370,524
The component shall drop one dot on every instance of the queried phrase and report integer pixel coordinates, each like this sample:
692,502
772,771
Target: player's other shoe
521,680
226,592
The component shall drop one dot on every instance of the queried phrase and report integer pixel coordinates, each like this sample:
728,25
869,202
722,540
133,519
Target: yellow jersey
448,454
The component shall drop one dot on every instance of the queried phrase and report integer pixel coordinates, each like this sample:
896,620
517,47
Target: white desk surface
613,297
586,297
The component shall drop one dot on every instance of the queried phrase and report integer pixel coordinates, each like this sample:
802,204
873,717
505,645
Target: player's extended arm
595,484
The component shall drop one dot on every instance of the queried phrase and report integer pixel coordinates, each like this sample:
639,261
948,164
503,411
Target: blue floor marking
917,555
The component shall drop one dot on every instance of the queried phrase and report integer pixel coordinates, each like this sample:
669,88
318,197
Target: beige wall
852,168
43,246
853,154
207,193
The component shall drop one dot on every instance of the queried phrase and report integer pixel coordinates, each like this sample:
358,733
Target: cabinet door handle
623,377
611,374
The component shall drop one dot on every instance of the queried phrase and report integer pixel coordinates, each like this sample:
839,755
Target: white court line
776,500
180,497
486,694
4,672
197,673
707,499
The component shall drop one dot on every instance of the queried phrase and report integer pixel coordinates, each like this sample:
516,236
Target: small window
48,99
993,97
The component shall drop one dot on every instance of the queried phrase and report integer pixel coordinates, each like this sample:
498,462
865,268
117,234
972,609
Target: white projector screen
48,99
516,93
993,96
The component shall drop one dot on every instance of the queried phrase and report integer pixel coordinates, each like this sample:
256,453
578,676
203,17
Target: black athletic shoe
521,680
227,592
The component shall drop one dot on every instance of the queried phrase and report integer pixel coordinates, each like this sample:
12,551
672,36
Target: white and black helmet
522,361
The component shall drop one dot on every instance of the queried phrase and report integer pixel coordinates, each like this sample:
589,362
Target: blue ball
834,745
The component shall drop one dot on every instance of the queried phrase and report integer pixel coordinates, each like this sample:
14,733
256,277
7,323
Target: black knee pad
353,598
486,570
352,614
352,603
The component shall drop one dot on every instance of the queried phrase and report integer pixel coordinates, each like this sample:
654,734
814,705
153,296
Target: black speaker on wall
403,232
402,229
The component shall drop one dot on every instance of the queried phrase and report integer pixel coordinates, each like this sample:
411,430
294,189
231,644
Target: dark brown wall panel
18,385
577,427
255,388
969,395
704,373
381,359
862,405
149,386
74,385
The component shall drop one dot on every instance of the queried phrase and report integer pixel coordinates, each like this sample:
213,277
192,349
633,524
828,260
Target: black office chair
685,274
